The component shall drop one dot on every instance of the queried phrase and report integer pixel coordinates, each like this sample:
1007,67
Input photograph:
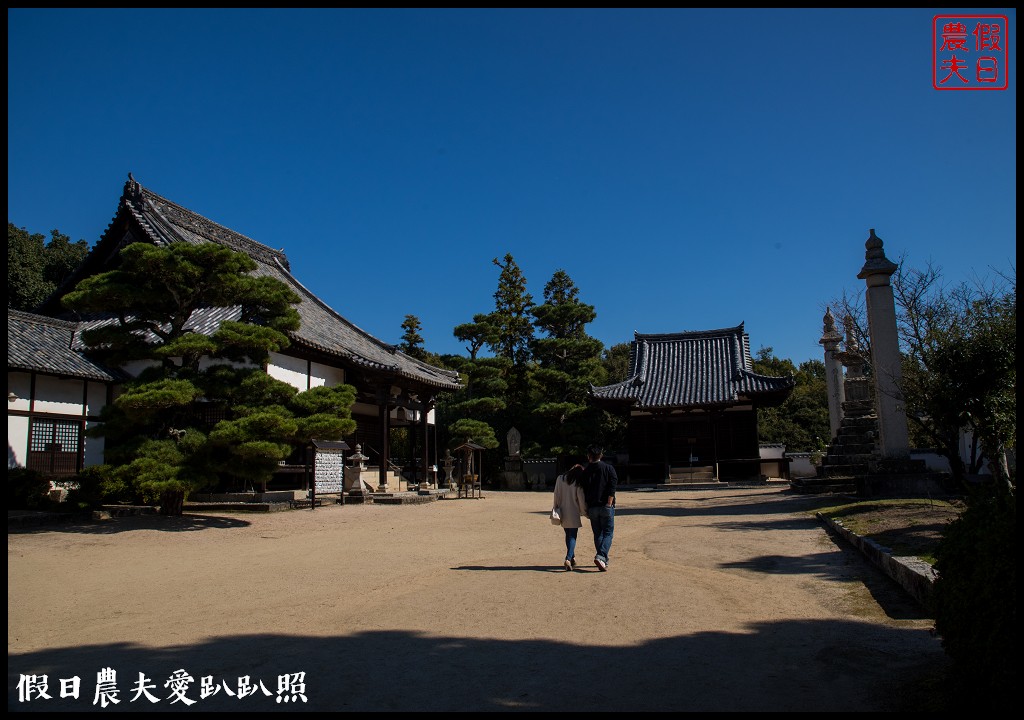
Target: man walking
599,481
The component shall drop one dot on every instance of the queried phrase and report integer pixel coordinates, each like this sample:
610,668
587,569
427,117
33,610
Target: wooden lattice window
54,446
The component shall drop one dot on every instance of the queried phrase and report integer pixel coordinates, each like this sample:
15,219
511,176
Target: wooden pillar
426,445
713,416
383,398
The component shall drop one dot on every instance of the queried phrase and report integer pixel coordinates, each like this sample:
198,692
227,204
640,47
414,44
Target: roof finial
132,189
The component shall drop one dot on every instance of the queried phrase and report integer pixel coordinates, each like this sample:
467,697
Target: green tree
616,362
959,368
800,423
203,410
36,268
478,334
513,336
481,402
412,341
511,320
567,362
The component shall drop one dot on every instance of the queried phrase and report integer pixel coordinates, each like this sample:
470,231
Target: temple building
691,402
64,385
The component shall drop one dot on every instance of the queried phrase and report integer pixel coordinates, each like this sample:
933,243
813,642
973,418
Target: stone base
896,466
923,484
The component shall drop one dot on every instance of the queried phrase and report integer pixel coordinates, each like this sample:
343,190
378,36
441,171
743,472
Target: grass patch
906,526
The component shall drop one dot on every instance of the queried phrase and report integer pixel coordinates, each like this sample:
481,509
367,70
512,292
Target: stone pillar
830,339
894,439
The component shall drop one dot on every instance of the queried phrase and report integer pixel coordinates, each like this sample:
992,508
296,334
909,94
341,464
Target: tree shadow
85,525
839,666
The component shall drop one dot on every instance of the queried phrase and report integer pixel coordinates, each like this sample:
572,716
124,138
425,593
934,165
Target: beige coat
570,503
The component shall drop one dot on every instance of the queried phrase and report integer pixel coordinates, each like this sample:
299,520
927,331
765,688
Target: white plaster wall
932,461
326,375
64,397
801,465
206,362
19,383
17,441
288,369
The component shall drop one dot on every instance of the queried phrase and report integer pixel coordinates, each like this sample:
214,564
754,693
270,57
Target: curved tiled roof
707,368
321,328
44,344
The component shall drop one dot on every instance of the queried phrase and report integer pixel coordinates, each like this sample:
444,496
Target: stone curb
911,573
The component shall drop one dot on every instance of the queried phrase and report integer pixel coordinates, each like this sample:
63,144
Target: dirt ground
723,600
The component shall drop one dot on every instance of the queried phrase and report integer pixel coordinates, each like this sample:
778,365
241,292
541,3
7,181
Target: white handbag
556,518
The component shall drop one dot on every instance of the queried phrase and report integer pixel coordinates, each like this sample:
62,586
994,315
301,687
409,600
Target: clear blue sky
689,169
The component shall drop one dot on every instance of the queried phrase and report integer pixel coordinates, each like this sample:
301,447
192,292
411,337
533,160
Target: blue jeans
602,522
570,542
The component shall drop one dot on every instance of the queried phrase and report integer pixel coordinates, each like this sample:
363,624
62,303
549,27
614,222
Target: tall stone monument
830,338
893,440
513,475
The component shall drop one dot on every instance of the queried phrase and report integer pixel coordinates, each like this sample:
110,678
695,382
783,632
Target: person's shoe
568,565
573,561
601,564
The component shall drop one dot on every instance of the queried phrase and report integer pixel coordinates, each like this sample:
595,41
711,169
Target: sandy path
715,600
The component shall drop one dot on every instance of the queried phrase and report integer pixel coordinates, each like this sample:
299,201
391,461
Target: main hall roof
700,369
322,329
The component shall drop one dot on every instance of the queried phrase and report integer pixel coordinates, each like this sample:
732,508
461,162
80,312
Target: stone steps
684,475
845,485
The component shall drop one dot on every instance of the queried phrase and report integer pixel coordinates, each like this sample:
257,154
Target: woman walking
571,507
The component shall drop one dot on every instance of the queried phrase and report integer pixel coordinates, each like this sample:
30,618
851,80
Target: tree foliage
567,362
511,320
202,411
35,268
412,341
616,362
975,600
960,365
800,423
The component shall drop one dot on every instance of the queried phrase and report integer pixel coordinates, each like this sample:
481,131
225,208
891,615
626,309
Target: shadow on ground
85,525
774,667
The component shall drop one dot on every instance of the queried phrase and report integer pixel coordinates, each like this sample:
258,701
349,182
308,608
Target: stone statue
448,464
513,438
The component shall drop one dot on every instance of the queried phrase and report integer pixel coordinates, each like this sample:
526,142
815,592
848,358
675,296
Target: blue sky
689,169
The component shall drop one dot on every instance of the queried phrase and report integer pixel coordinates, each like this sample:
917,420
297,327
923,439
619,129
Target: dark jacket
599,481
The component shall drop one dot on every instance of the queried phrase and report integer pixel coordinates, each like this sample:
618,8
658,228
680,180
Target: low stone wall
912,573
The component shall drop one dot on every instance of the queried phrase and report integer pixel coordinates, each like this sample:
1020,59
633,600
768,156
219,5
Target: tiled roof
44,344
709,368
321,329
203,320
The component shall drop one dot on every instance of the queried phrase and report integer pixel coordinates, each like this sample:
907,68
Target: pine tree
183,423
412,341
567,362
511,320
